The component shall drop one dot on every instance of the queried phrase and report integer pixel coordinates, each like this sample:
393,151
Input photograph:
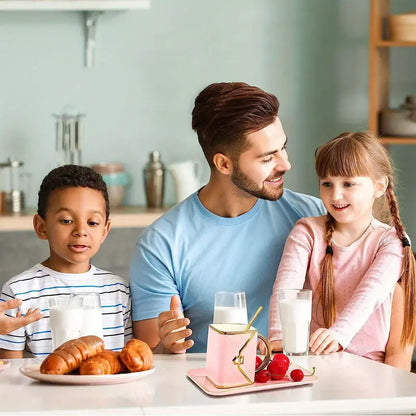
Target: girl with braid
360,269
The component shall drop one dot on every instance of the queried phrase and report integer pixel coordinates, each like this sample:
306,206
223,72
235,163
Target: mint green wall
150,64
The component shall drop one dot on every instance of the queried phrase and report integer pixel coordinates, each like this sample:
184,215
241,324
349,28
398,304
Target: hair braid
408,273
327,277
394,210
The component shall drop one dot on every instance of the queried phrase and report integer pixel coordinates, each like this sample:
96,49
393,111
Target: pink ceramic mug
231,355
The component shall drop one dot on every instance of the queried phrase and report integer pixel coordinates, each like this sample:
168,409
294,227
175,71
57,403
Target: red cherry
262,376
296,374
258,361
283,359
277,370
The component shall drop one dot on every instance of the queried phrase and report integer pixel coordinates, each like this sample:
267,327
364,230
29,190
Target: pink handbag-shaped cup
231,355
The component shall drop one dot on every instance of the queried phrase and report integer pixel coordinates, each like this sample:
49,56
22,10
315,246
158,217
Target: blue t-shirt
194,253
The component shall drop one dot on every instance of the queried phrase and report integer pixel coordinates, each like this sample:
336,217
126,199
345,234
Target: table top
346,384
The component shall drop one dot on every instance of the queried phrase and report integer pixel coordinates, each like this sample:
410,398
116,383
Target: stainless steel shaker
154,180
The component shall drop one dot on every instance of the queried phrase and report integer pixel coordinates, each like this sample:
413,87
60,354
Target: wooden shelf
398,140
125,217
394,43
76,5
379,69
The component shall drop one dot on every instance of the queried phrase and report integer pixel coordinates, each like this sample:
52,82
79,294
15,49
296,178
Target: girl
361,271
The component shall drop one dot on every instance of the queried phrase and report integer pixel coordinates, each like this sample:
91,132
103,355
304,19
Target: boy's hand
9,324
172,328
322,341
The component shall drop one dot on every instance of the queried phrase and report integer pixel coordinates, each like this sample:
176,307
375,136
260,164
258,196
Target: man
227,236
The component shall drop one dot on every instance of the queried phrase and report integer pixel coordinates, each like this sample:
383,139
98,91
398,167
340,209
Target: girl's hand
9,324
322,341
276,346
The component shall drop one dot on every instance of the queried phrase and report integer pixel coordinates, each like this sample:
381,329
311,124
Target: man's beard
243,182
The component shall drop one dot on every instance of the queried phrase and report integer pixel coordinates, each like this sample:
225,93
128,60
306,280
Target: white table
346,384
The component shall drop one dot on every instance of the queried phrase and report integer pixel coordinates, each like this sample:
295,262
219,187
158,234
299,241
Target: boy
73,215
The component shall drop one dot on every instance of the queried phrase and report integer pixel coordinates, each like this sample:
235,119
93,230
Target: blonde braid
408,273
327,277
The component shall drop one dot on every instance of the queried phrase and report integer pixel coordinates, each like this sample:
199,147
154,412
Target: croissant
137,355
69,356
106,362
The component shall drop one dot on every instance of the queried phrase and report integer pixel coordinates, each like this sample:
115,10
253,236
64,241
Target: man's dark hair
224,113
69,176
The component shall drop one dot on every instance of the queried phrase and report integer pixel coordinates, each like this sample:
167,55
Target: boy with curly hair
73,216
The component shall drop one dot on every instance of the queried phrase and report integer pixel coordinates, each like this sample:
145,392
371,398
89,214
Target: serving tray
198,376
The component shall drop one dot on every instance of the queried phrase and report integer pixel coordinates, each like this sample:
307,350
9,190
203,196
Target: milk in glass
229,314
66,321
295,318
230,308
92,321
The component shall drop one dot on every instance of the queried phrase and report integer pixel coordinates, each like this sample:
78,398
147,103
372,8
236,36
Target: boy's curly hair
69,176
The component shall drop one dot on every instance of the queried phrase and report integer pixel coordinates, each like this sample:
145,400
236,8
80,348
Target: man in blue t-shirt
228,236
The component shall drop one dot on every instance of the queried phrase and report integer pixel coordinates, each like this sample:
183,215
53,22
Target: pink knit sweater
365,276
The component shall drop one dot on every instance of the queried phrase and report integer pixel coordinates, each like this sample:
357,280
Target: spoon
253,318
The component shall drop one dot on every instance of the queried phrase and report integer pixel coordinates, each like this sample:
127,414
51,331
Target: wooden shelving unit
379,68
124,217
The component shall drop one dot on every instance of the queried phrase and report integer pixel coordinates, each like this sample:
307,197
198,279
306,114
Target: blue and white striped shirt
37,285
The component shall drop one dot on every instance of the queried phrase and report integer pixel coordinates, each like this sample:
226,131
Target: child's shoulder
32,273
314,223
106,276
384,233
310,227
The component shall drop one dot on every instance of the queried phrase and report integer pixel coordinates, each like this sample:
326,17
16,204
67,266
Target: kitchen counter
123,217
346,384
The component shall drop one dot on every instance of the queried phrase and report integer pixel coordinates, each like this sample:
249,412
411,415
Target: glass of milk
295,309
92,323
65,316
230,308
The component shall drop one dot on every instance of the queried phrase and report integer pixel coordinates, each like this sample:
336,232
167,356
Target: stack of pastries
88,356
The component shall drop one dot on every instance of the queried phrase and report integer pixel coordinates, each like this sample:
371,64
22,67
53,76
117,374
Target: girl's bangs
341,158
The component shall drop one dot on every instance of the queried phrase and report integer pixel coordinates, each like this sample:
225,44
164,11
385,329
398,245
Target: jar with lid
12,195
154,180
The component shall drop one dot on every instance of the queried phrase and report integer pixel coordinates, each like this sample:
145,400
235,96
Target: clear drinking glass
66,317
92,323
295,309
230,308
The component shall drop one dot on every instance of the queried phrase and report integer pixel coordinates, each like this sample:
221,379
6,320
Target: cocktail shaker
154,180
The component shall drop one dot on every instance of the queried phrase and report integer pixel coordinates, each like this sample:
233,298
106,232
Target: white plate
4,366
32,371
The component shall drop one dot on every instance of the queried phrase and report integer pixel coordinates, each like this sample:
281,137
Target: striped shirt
37,285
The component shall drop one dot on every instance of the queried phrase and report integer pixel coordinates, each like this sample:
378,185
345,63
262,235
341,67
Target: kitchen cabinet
379,68
92,9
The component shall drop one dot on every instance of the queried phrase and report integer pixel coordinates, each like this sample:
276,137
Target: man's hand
9,324
322,341
172,328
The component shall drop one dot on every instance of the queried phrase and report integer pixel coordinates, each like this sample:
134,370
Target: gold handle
268,354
